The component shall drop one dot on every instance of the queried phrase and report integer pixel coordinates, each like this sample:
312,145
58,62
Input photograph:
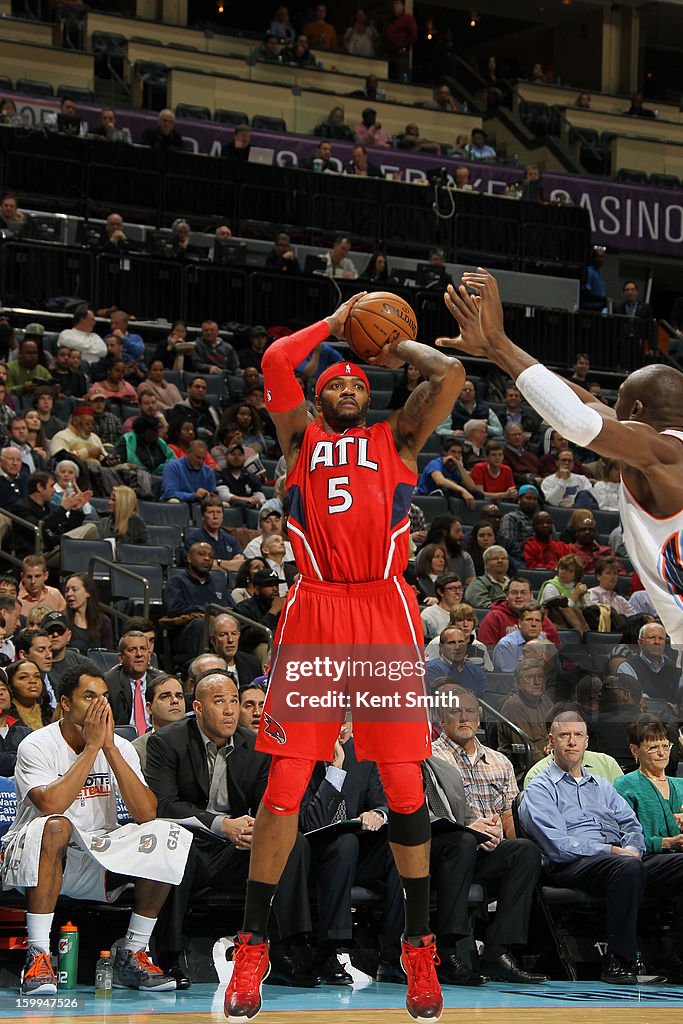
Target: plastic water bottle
104,974
68,956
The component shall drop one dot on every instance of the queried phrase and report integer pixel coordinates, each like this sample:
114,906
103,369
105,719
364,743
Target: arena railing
35,529
122,570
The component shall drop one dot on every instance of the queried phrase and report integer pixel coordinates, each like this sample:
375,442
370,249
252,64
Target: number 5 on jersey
337,488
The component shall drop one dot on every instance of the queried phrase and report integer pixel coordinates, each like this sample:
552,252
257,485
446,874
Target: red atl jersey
349,499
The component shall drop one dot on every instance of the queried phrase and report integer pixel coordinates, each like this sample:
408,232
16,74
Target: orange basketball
376,320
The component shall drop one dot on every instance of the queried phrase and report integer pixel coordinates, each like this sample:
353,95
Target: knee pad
403,786
412,829
287,781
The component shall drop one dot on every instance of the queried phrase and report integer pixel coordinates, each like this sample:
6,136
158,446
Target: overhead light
474,19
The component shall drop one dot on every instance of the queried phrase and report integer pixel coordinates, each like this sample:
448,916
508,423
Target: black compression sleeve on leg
416,893
410,829
257,909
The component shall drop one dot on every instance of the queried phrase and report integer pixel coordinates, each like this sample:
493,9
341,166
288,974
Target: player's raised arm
571,411
284,398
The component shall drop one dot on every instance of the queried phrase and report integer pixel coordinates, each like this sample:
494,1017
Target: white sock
38,927
139,932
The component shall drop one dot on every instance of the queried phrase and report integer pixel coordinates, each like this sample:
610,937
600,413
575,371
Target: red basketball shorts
348,650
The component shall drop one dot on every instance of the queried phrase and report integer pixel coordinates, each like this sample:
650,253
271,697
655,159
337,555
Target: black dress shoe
390,973
506,968
618,971
331,972
452,971
179,972
286,969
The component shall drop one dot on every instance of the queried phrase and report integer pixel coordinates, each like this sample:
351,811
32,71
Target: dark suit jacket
178,775
643,310
120,695
54,520
362,790
450,780
248,667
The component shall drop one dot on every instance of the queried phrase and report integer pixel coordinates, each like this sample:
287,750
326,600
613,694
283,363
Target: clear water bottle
104,974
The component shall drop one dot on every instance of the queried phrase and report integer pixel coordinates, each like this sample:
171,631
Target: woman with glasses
656,798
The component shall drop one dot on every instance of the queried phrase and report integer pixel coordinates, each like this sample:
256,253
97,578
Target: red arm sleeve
282,390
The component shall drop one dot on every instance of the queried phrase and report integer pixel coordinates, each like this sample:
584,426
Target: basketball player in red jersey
644,432
350,490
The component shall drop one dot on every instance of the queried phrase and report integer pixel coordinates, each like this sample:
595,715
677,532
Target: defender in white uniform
644,432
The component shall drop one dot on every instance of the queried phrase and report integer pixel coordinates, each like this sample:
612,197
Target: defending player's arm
431,401
573,412
285,400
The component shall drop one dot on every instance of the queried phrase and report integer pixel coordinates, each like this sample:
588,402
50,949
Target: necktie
437,805
340,813
139,709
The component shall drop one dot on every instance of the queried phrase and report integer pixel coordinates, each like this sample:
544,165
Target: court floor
552,1003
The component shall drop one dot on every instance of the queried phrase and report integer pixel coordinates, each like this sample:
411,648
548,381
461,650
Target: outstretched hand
480,316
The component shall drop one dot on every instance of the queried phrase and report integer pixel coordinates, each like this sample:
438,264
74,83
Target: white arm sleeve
558,405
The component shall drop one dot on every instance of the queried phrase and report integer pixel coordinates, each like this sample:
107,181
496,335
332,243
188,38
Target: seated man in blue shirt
187,595
591,839
227,550
452,663
188,478
508,650
448,475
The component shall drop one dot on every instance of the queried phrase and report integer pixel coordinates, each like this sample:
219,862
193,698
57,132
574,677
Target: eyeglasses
657,748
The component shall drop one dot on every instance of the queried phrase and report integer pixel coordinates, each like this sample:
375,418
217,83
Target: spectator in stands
429,565
227,550
35,508
33,643
244,583
239,146
30,700
282,27
321,159
537,74
586,546
564,488
493,478
8,113
333,127
479,148
266,604
449,591
480,537
142,447
252,698
401,36
43,403
491,514
247,419
56,626
513,412
528,708
592,839
25,374
148,406
10,612
21,438
280,260
463,616
637,109
447,475
476,432
270,522
13,223
632,306
127,682
187,478
552,445
491,585
146,626
299,53
461,176
12,731
224,808
508,651
133,345
360,166
377,271
319,32
659,677
187,595
33,588
167,350
607,573
268,50
411,139
606,491
106,129
106,424
70,383
212,354
81,337
522,462
504,615
361,38
410,377
594,290
181,433
442,100
164,703
541,551
113,239
453,665
13,477
564,595
224,636
196,408
164,136
370,91
446,531
89,626
583,101
511,869
369,132
258,335
469,407
518,525
165,392
337,261
123,524
244,488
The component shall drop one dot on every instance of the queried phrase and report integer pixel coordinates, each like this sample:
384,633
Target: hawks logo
671,565
274,729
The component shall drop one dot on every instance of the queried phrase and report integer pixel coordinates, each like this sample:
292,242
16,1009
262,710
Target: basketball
376,320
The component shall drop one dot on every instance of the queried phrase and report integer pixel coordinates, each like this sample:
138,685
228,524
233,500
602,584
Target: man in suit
632,306
343,790
128,682
206,768
508,868
224,636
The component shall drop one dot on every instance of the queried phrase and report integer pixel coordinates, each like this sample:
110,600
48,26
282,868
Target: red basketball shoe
251,968
424,1001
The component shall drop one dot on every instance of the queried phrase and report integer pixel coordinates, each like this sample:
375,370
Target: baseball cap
527,487
265,512
54,619
340,370
34,330
96,392
265,576
258,329
233,447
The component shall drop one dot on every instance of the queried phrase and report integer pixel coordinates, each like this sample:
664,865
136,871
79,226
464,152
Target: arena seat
6,84
33,88
103,658
262,122
660,180
123,588
631,176
171,536
75,93
145,554
193,111
164,514
224,116
75,555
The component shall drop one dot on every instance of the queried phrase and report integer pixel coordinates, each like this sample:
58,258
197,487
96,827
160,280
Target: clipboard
441,825
338,828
